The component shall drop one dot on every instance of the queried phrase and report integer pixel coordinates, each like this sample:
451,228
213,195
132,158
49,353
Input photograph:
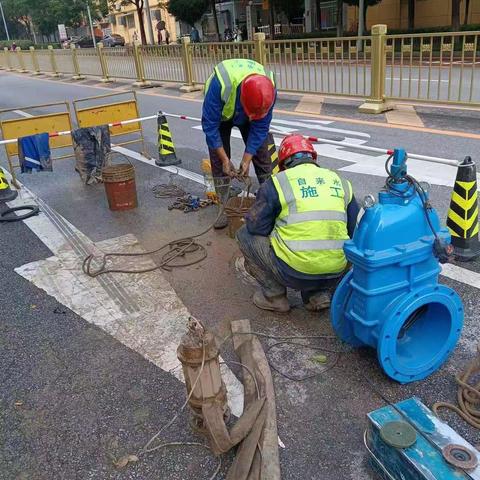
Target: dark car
86,42
113,40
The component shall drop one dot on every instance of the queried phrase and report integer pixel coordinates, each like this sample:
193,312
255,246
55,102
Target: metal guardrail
163,62
27,60
89,61
205,56
335,66
120,62
437,67
64,61
44,61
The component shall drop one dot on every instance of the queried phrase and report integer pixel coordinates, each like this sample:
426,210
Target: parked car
86,42
113,40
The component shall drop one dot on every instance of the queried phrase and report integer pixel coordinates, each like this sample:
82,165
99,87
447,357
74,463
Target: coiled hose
468,395
174,251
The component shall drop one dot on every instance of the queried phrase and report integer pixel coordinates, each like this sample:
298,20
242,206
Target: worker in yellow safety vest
295,230
239,93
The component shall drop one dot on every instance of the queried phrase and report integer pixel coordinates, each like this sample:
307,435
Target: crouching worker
296,228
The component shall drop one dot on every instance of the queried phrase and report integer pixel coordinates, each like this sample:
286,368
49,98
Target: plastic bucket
236,209
120,186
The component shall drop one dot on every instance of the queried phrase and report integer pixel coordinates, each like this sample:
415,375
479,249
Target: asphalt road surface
88,368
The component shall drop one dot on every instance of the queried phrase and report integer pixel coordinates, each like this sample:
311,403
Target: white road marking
424,171
153,329
371,164
462,275
22,113
282,130
321,128
405,78
178,170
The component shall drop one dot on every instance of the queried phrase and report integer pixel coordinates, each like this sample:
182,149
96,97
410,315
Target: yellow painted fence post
76,66
103,64
53,62
260,50
376,103
139,68
21,63
36,66
187,59
7,59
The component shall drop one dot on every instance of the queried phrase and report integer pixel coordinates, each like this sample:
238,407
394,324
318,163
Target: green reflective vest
310,231
231,74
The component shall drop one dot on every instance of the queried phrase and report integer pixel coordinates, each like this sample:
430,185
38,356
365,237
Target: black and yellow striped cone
462,219
166,148
272,152
6,193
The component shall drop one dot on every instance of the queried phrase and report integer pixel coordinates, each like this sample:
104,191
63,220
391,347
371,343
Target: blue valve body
391,299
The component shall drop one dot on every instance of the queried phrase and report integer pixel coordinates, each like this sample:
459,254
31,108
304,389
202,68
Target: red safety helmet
257,94
293,144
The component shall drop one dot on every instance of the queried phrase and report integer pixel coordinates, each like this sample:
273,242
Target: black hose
6,215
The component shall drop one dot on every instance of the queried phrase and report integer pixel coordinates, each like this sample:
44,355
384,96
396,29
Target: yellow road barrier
101,113
57,121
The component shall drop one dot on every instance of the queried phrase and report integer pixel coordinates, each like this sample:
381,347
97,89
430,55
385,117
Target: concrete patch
404,115
310,104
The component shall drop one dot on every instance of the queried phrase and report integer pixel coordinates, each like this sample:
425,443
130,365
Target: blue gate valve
391,300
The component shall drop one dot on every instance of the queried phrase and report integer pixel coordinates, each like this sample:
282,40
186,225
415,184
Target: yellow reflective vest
311,229
231,74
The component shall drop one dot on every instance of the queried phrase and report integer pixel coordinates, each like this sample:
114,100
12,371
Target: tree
411,14
291,8
339,18
215,19
456,15
271,18
17,16
188,11
467,9
368,3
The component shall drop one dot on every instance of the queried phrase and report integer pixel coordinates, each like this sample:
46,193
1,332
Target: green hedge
26,44
23,44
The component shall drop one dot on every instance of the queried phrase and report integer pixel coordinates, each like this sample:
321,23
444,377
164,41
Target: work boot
318,302
222,189
274,304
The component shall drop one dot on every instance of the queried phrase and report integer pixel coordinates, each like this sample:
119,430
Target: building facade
428,14
248,16
124,21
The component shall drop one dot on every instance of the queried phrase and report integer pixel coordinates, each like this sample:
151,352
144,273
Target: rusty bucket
120,187
236,209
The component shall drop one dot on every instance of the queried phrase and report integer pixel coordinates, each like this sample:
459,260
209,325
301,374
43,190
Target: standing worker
295,230
239,93
163,35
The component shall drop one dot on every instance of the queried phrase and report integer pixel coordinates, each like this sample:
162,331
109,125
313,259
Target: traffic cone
6,193
272,152
166,148
462,219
